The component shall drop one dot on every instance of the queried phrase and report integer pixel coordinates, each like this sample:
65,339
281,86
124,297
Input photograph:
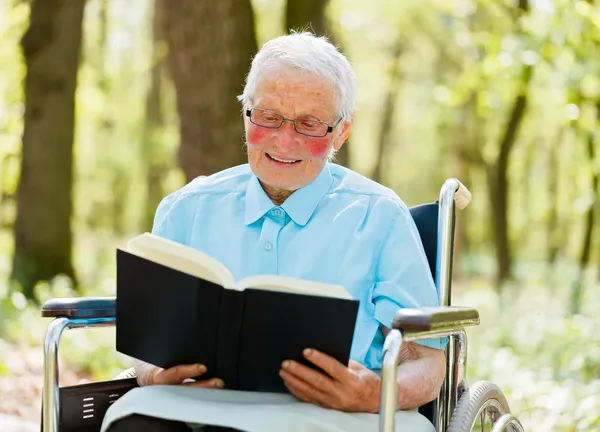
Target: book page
180,257
293,285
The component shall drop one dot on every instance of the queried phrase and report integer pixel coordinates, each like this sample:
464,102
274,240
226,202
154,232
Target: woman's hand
176,375
353,388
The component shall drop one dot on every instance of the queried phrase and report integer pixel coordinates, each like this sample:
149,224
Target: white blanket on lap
247,411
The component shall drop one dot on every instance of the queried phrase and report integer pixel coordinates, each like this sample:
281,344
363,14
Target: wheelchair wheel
483,407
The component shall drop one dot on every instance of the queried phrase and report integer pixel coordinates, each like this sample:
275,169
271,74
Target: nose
287,137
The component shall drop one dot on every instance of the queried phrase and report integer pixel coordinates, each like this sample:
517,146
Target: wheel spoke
482,420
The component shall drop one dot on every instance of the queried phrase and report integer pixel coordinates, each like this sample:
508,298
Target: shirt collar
300,206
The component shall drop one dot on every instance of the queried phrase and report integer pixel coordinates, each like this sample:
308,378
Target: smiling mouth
286,161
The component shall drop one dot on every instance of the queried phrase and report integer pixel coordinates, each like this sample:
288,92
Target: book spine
231,312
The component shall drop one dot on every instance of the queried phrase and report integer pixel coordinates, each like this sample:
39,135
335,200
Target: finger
301,396
309,375
177,374
213,383
303,388
297,393
355,366
330,365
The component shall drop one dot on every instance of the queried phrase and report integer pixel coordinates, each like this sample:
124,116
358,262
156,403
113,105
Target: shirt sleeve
403,278
168,221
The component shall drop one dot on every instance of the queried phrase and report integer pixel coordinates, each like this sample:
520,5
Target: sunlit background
502,94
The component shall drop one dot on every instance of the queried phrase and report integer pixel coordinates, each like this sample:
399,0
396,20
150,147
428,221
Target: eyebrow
303,116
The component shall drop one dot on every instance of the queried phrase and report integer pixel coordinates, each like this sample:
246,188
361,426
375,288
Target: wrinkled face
282,158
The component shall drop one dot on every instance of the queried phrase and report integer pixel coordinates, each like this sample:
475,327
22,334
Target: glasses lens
265,118
311,127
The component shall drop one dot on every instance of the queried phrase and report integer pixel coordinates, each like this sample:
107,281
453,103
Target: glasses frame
284,119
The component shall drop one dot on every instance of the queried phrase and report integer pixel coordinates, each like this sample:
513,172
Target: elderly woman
291,212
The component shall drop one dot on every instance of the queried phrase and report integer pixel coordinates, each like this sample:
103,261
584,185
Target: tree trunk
554,241
310,15
103,36
385,132
498,181
528,190
307,15
51,47
211,44
9,164
463,139
586,245
152,160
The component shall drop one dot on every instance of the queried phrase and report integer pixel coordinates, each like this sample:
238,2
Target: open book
177,305
201,265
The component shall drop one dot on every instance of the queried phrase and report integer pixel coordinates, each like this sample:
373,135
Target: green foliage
546,363
460,62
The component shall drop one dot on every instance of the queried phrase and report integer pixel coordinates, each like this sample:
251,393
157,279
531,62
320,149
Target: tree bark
463,139
151,157
498,181
211,44
42,231
103,36
554,240
307,15
310,15
586,245
389,108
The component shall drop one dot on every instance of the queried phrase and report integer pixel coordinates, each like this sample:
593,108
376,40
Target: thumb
177,374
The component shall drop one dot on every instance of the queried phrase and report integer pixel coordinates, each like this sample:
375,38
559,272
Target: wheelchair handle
462,196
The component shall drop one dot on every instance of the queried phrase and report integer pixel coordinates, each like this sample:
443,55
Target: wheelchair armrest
80,307
438,318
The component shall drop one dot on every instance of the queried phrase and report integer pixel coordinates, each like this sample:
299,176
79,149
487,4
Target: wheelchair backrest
426,220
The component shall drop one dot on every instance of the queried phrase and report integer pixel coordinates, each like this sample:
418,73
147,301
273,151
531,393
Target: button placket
268,245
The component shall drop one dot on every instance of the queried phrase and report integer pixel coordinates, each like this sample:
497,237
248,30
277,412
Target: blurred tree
210,49
7,190
311,15
555,237
116,207
590,216
42,231
460,127
498,179
307,14
153,163
497,172
585,42
386,131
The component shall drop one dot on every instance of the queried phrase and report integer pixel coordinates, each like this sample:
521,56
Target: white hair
309,53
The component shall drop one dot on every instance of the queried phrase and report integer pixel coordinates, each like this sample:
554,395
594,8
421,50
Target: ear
245,118
339,141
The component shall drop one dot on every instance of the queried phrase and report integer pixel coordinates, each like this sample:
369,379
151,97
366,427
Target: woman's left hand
354,388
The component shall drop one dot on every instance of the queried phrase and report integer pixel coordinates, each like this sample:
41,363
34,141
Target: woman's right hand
178,375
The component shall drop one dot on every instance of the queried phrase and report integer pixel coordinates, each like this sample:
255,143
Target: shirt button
268,246
277,212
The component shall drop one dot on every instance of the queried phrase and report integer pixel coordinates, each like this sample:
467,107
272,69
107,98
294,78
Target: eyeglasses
272,120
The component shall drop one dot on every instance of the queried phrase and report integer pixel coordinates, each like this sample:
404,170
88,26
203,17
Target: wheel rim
508,423
488,415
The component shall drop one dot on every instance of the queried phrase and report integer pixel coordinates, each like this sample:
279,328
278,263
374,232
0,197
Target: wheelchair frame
450,323
408,325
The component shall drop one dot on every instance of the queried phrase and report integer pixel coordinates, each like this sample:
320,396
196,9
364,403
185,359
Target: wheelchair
458,408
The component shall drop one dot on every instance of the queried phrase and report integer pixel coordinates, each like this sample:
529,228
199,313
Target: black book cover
166,318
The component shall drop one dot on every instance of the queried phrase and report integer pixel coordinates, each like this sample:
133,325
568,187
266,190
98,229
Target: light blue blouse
342,229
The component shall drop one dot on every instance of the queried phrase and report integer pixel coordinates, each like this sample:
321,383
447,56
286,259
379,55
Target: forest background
138,97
